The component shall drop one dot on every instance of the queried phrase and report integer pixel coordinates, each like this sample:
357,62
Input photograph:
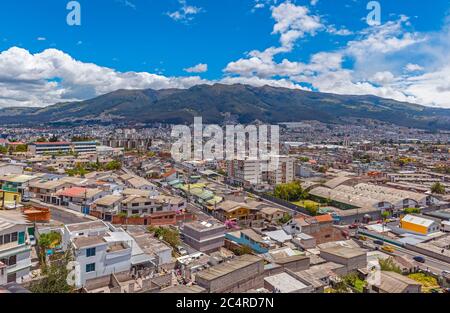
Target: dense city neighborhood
102,209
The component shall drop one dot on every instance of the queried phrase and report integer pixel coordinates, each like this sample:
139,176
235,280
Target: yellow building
9,198
418,224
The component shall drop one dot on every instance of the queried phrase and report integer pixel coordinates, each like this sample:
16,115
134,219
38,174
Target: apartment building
204,236
245,171
282,173
277,170
15,250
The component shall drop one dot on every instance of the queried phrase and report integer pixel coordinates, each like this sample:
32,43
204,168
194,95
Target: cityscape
109,184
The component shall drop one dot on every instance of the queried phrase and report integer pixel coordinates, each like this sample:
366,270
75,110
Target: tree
290,192
21,148
438,188
48,241
312,207
172,237
412,211
55,276
3,150
286,218
389,265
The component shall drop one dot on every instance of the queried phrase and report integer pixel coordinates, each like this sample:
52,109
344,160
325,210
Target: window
12,260
135,212
148,203
14,237
135,204
90,267
1,239
7,238
90,252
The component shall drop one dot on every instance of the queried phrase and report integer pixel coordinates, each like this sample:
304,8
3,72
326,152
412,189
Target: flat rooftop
344,252
285,283
229,267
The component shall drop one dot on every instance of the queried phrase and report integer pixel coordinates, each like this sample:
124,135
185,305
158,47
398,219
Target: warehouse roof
228,267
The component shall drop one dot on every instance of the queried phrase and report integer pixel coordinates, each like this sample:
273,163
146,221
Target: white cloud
185,12
199,68
41,39
410,67
53,76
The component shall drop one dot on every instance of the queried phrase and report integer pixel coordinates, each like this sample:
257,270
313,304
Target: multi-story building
99,250
276,170
245,171
39,148
204,236
84,147
15,250
282,173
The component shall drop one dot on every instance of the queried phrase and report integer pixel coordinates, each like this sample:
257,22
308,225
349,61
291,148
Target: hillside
214,103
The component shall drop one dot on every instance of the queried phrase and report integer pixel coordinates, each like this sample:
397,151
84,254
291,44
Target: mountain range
216,103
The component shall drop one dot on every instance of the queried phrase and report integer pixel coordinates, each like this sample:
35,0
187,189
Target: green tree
286,218
389,265
312,208
55,276
412,211
21,148
438,188
170,236
290,192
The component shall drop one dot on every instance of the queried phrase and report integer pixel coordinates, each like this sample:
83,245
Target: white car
182,250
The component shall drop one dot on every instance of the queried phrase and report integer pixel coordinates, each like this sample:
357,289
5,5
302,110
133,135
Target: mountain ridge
217,102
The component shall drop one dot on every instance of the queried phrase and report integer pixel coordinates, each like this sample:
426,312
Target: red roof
167,174
324,218
57,143
72,192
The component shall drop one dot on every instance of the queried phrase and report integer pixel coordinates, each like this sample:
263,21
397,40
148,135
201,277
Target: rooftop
228,267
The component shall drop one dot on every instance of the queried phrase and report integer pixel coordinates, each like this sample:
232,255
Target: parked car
181,250
378,242
389,249
419,259
353,226
25,199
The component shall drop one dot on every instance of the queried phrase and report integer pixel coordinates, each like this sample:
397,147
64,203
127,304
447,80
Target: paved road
431,264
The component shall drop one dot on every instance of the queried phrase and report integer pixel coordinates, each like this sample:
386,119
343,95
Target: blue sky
320,45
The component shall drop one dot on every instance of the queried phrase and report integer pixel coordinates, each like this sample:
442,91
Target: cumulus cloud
185,13
53,76
380,58
199,68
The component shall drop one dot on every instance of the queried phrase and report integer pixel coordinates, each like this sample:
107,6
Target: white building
97,250
84,147
15,250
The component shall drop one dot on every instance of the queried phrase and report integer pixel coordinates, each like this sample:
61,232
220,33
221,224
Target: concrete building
84,147
391,282
40,148
204,236
97,251
245,171
283,173
15,249
352,258
238,275
285,283
419,224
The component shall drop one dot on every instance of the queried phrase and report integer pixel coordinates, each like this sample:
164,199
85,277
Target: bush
290,192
